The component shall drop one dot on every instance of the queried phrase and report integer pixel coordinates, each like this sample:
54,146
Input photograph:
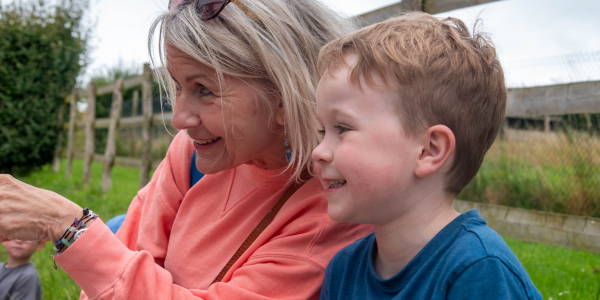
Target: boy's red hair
443,75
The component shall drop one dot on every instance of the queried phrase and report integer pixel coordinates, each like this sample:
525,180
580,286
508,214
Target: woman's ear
438,146
280,113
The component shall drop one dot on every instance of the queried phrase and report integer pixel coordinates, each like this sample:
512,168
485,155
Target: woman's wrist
65,220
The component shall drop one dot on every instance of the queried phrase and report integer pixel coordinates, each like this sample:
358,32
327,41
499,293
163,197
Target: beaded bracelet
68,237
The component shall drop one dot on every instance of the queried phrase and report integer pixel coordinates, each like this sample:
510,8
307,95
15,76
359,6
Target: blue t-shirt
465,260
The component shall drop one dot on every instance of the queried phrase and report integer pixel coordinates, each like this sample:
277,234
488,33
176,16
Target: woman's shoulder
306,231
174,169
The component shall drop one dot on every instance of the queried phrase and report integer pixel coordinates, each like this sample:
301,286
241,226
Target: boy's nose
321,154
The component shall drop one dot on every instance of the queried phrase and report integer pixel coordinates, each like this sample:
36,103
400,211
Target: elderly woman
241,78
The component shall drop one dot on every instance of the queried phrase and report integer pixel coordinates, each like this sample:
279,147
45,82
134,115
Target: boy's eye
341,129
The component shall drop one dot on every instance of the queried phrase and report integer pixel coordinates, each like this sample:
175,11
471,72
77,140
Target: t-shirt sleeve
490,279
326,283
26,287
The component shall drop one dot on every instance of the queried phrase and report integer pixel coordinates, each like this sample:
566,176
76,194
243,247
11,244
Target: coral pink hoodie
176,239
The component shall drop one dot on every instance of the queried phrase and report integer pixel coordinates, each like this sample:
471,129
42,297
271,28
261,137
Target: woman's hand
32,214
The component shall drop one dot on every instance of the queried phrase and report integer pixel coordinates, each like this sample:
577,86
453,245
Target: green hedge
42,50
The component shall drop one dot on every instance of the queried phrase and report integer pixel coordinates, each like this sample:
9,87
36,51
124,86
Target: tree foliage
42,51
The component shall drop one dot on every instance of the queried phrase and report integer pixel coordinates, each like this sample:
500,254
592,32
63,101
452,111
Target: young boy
18,277
408,109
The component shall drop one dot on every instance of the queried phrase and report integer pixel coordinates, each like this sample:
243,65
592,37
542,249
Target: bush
42,50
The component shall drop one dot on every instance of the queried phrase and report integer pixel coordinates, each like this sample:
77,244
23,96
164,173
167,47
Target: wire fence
548,163
555,170
542,71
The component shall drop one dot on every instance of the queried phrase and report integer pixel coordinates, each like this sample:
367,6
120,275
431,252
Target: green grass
553,270
559,273
125,182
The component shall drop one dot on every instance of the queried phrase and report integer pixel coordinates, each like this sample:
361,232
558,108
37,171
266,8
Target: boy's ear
438,146
40,246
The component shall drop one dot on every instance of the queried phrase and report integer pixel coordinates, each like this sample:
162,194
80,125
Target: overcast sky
122,26
521,29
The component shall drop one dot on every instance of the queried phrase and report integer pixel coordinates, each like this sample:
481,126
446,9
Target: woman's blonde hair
280,54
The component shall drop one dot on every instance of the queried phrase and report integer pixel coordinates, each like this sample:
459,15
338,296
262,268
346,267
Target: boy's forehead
337,81
338,95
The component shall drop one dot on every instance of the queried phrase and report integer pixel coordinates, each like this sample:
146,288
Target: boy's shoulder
465,241
26,272
22,280
359,249
480,257
466,258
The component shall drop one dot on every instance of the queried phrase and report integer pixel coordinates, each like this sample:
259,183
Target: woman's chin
213,165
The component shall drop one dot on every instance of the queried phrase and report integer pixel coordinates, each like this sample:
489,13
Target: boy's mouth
336,183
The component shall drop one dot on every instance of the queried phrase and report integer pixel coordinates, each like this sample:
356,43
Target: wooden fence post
116,110
71,136
59,142
146,126
90,119
503,128
546,123
134,108
588,122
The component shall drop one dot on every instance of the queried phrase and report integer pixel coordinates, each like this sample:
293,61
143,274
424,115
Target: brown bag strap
258,230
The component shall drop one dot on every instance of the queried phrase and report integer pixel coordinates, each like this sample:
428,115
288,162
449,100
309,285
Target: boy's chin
340,215
335,214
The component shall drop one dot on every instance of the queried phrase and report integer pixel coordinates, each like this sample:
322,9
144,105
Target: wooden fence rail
114,123
542,103
566,231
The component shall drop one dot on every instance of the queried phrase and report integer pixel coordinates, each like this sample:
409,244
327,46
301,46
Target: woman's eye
178,85
321,132
204,90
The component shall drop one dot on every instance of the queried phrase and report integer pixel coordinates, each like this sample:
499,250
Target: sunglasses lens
208,9
175,3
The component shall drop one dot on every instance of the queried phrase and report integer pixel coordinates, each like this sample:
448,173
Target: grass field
556,172
558,273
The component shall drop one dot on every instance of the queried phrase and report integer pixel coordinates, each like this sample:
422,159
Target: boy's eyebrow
338,109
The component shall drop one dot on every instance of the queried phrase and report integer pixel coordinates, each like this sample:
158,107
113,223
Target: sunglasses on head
210,9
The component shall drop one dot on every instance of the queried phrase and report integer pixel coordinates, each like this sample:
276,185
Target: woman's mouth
336,183
206,142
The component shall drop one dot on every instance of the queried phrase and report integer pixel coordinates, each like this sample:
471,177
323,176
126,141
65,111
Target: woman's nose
185,114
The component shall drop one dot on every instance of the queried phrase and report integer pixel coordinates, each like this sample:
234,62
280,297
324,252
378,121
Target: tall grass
555,171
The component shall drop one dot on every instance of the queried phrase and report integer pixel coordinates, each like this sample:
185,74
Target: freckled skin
206,110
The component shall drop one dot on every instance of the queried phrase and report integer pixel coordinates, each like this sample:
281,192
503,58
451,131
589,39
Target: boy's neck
400,240
13,263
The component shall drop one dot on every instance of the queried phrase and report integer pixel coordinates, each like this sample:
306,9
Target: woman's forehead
179,61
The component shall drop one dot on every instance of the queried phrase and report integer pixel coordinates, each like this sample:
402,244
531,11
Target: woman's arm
288,263
33,214
106,269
